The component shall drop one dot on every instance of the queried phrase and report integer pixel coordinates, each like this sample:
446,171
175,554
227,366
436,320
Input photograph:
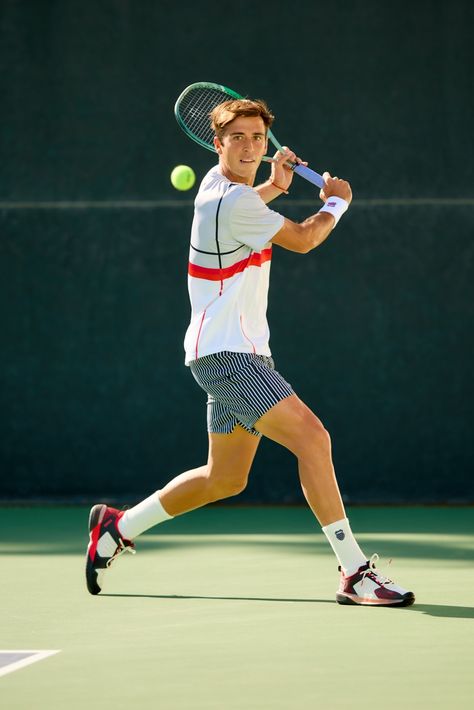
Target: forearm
306,236
309,234
268,191
315,230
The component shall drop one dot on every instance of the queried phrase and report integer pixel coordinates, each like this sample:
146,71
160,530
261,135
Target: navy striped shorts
241,387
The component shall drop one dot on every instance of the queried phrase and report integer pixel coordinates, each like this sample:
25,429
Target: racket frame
301,170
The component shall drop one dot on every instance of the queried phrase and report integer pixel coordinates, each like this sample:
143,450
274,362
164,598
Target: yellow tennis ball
183,177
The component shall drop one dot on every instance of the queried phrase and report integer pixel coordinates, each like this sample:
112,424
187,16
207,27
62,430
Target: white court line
16,665
180,204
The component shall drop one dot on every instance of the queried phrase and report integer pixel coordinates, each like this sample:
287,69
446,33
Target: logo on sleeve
340,534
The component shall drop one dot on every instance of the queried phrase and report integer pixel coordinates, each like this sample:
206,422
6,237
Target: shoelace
372,574
121,548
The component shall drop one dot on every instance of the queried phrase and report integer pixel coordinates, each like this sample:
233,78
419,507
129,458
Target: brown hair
226,112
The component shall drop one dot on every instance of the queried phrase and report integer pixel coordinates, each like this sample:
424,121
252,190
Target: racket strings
194,110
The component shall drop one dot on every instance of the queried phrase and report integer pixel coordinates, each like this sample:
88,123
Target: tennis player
227,351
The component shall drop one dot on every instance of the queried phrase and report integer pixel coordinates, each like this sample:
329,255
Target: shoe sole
407,600
95,517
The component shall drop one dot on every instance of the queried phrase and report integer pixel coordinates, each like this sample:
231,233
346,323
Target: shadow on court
220,598
394,548
438,610
410,533
444,610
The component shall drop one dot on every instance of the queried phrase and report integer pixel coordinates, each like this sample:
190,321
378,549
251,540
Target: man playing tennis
227,350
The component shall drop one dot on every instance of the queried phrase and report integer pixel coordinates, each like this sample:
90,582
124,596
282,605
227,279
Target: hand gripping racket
192,111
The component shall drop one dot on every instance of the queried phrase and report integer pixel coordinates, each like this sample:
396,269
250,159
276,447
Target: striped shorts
241,387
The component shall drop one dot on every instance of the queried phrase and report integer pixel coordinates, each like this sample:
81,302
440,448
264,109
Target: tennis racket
192,111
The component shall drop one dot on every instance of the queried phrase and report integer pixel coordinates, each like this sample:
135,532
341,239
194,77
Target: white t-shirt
229,269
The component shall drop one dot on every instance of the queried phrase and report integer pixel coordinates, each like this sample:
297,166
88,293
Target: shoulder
214,179
245,198
247,204
212,183
251,221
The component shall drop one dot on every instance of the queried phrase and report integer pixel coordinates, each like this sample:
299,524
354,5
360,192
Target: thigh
232,454
241,388
292,424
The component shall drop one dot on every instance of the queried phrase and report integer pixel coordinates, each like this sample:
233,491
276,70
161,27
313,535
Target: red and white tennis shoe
369,588
105,544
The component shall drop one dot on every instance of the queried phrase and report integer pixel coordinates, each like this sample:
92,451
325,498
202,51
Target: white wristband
335,206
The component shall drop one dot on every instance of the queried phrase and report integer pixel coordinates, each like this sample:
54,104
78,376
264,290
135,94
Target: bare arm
281,176
268,191
305,236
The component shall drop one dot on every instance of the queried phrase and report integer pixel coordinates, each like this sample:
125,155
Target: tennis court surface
234,609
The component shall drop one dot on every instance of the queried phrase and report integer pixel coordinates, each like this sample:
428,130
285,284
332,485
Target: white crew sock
344,544
145,515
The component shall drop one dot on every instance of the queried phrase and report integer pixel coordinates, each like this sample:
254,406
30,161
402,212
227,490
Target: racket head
193,106
192,109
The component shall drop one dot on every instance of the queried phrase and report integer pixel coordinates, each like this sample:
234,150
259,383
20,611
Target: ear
217,145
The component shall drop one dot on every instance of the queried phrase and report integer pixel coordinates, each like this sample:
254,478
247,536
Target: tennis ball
183,177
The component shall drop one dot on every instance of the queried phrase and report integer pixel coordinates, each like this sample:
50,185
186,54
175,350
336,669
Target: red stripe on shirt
255,259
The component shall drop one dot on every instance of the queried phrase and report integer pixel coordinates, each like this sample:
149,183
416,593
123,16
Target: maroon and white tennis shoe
105,544
368,587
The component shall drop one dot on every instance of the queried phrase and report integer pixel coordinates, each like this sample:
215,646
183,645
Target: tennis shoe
369,588
105,544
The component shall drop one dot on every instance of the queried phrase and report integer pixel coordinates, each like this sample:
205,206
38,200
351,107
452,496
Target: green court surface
234,609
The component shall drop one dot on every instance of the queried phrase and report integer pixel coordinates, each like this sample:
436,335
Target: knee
323,437
314,438
226,485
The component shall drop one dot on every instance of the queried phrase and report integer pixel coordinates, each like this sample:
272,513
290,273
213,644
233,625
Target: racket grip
309,175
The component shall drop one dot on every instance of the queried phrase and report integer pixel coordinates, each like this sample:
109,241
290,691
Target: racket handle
308,174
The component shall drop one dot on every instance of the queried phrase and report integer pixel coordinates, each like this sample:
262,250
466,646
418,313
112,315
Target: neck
226,172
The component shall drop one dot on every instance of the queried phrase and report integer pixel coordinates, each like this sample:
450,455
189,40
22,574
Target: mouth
247,161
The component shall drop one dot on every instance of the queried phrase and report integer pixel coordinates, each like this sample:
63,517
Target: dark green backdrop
374,329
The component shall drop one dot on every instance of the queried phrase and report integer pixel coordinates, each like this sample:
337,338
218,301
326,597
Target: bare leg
293,425
225,474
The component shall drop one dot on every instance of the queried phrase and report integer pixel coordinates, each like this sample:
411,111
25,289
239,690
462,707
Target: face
242,148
